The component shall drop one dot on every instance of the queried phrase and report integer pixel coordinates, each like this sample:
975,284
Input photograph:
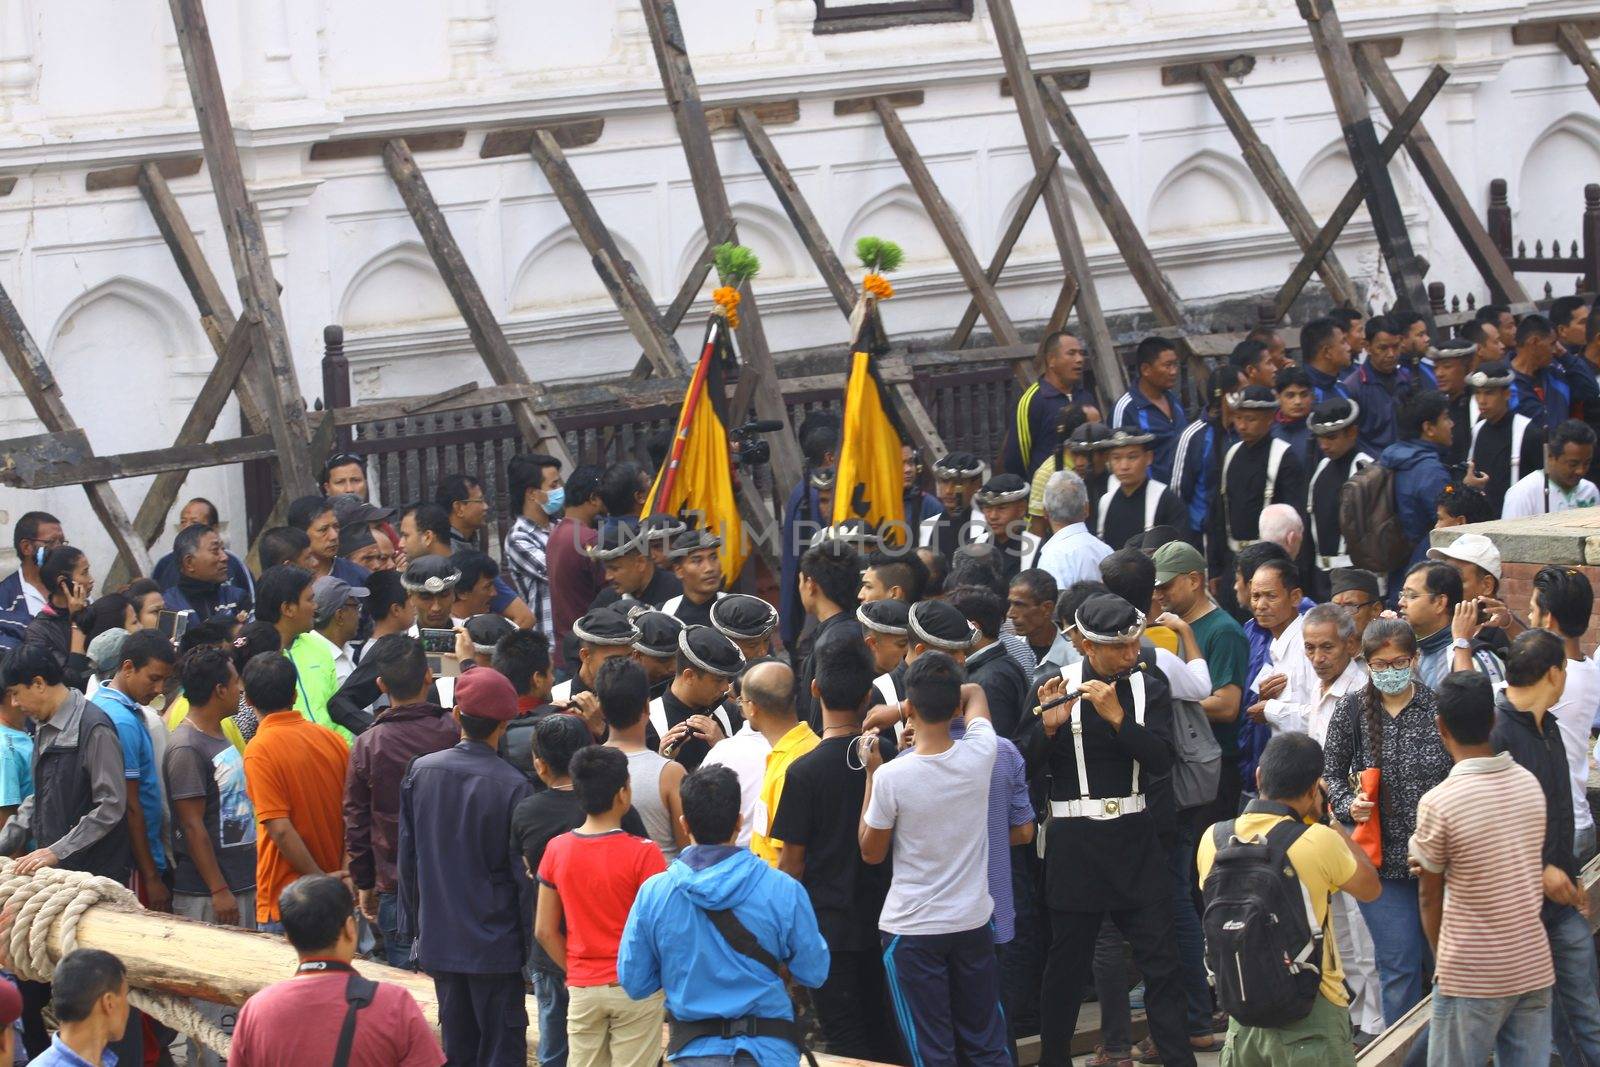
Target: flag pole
691,403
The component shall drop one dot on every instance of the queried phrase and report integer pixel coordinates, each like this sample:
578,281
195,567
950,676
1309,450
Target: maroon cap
487,694
10,1003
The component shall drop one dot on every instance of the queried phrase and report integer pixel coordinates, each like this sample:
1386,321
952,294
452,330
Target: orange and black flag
696,482
871,474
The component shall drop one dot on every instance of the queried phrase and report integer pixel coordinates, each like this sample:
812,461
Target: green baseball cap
1175,558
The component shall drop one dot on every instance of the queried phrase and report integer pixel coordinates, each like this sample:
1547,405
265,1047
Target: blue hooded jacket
1419,476
670,943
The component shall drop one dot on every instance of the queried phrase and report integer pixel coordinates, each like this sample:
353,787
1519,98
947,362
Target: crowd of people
1116,695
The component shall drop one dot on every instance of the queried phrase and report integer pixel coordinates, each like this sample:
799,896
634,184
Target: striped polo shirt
1483,829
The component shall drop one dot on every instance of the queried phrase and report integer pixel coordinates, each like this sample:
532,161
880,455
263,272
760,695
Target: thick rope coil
49,895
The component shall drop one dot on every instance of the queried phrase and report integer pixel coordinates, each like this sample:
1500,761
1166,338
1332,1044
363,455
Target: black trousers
851,1008
483,1019
1067,971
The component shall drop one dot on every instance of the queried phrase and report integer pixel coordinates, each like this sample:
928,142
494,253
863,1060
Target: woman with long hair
1389,725
68,584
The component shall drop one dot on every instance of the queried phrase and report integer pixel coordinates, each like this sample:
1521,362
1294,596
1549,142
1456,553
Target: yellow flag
697,479
871,479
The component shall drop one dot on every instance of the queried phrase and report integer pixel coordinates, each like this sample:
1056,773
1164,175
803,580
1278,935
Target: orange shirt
295,770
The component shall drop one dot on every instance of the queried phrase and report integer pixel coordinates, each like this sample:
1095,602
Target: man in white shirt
1072,554
1561,602
1275,604
1562,485
746,752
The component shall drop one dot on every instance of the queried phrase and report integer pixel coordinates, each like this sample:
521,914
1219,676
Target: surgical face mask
555,500
1392,680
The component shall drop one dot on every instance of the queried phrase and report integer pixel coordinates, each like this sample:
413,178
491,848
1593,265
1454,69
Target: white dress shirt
1574,714
746,752
1535,494
1310,710
1287,656
1073,554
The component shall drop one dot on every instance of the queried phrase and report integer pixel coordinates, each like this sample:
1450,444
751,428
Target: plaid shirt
527,564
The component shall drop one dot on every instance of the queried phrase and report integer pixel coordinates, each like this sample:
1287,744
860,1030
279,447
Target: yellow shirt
790,747
1323,863
1163,637
180,711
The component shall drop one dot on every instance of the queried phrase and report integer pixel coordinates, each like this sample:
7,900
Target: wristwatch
1461,642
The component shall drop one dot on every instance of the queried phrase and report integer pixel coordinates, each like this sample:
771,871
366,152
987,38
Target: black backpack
1263,943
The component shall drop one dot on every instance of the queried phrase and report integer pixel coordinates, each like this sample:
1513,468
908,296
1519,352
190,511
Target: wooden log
207,293
1361,138
759,384
1136,254
949,227
1577,50
39,385
770,112
1441,182
1109,371
197,426
487,337
120,177
285,406
866,105
1008,242
357,147
621,280
1341,214
48,468
1263,163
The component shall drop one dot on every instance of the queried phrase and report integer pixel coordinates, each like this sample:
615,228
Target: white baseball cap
1471,548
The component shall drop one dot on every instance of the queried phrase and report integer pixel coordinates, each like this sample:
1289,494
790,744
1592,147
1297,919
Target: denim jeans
1191,939
1464,1030
1575,1020
1404,958
551,991
397,954
1583,844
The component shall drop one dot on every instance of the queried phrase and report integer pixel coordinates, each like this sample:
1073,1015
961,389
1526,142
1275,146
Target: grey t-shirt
938,808
198,765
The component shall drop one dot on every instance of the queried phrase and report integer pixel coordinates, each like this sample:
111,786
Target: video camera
745,442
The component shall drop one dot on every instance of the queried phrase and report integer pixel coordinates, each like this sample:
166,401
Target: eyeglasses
1406,594
1353,608
1398,664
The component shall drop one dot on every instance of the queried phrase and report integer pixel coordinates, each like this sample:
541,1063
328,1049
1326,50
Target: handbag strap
358,993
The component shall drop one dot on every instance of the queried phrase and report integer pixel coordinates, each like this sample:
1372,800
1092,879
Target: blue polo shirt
1137,411
138,762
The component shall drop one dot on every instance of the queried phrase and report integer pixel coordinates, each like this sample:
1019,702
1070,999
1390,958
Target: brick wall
1516,583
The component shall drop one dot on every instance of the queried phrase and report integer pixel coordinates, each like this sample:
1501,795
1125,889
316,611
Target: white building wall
87,84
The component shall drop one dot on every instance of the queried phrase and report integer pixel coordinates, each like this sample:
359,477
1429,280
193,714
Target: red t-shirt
597,877
297,1022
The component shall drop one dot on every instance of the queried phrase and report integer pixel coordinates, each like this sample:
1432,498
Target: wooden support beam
770,112
49,466
1346,208
1141,262
357,147
1576,48
216,314
1109,371
1193,73
517,141
1361,138
285,405
487,337
120,177
866,105
196,428
913,418
1263,163
1008,242
618,275
759,384
39,385
827,262
1447,192
949,227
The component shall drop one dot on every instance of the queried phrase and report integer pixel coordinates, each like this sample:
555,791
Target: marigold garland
878,286
727,298
880,257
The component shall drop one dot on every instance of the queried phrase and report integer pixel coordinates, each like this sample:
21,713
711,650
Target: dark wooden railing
1582,257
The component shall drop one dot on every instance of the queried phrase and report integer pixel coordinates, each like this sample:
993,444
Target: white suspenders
1519,431
1275,453
1152,500
1087,807
658,717
1341,555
